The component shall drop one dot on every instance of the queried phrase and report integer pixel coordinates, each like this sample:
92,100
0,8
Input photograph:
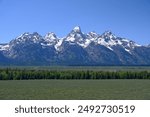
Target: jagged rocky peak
131,44
27,37
23,35
37,35
93,34
77,29
50,36
75,35
108,34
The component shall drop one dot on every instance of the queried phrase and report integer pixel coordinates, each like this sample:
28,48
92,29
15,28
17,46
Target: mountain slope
77,48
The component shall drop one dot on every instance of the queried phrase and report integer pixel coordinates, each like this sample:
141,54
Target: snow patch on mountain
58,44
127,50
71,39
4,47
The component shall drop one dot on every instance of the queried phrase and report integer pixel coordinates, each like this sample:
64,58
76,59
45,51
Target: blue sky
125,18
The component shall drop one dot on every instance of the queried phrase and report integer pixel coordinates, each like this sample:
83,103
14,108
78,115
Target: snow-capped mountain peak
77,29
29,36
93,34
50,39
108,32
36,37
23,35
75,36
50,36
108,35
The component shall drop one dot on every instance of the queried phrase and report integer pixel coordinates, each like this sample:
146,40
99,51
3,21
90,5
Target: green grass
81,68
75,89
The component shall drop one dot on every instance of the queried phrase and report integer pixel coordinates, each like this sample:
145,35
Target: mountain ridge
77,48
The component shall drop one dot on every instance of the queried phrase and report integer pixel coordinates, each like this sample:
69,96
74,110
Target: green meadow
75,89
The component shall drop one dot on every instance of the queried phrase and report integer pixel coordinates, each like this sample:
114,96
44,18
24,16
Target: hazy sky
125,18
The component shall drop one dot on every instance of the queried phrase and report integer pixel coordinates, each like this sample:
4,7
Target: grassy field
75,89
83,68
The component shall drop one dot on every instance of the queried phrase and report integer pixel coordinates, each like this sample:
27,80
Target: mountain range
77,48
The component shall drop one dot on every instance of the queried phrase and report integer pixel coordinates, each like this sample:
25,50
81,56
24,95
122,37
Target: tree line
24,74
